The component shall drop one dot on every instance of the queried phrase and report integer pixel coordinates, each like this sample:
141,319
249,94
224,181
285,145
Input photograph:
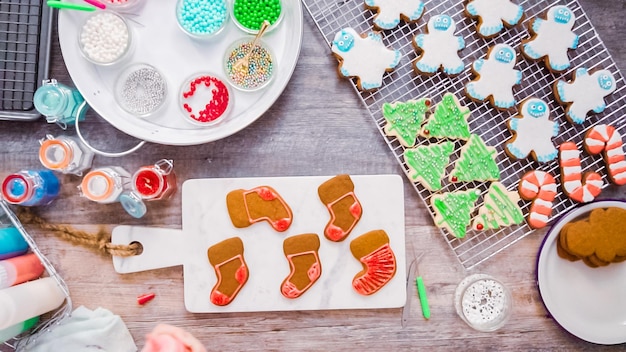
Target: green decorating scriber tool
421,290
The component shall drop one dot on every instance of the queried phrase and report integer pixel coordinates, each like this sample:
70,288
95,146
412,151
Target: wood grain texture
317,127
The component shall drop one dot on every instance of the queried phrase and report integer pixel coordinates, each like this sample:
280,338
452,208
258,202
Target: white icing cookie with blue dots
584,93
439,48
532,132
493,15
364,57
496,77
390,12
552,38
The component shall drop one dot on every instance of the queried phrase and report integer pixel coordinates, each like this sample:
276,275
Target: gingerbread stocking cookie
304,263
344,207
372,249
439,47
231,270
533,131
584,93
263,203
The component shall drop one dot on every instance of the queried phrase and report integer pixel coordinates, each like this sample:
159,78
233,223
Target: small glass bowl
261,66
205,99
123,5
141,90
202,23
105,38
483,302
253,25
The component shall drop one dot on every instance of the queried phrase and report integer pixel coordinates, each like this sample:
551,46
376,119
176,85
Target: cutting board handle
162,248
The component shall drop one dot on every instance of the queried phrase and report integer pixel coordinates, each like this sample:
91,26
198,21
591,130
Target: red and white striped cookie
579,187
607,140
540,188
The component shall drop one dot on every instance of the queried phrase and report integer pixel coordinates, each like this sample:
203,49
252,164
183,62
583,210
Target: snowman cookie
584,93
532,132
364,57
439,48
495,77
552,38
493,15
390,12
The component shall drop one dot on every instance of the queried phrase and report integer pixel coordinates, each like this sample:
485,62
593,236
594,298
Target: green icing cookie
453,210
500,208
448,121
477,162
427,164
405,119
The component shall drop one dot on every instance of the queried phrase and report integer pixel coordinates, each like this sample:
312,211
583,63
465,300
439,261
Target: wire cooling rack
403,84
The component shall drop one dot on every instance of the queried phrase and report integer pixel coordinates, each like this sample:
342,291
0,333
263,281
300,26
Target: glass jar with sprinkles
141,90
248,15
105,38
202,19
249,73
205,99
122,5
483,302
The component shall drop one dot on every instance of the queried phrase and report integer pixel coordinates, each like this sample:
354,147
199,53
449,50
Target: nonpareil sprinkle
260,66
202,17
142,91
205,99
251,13
104,38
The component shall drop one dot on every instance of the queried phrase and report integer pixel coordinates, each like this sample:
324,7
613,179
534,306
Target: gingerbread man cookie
552,38
496,77
364,57
390,12
493,15
584,93
533,131
439,48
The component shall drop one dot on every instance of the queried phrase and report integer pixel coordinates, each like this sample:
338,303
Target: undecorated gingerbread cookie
584,93
439,48
364,57
493,15
390,12
533,131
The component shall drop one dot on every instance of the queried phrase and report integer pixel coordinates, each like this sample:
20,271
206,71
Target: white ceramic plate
588,302
159,42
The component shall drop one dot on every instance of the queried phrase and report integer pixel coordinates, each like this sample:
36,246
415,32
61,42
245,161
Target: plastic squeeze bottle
20,269
28,300
12,243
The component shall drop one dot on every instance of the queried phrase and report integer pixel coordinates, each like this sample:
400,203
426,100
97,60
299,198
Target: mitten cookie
344,207
263,203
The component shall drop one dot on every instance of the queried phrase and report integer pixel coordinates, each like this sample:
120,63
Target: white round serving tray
158,41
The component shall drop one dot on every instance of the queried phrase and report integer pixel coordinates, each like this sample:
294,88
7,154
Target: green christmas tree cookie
448,121
477,162
500,208
405,119
427,164
454,209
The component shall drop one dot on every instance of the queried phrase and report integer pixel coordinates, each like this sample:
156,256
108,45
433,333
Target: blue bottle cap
16,188
133,204
50,100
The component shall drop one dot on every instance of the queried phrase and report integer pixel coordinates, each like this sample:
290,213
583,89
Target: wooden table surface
318,126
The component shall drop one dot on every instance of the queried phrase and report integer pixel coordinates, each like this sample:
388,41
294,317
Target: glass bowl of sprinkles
202,19
205,99
122,5
105,38
249,68
140,90
248,15
483,302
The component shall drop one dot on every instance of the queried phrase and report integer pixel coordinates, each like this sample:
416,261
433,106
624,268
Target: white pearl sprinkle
104,38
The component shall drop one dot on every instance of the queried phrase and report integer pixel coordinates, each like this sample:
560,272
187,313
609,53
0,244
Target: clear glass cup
205,99
241,7
483,302
105,38
141,90
123,5
260,69
200,22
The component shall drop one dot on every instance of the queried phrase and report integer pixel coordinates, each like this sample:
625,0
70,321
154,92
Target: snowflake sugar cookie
552,38
584,93
496,77
439,47
493,15
364,57
532,132
390,12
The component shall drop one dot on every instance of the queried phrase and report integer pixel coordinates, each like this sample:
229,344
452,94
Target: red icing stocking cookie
540,188
579,187
263,203
304,263
607,140
372,249
344,207
231,270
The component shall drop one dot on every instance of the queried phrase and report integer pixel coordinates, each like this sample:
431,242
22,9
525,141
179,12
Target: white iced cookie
495,77
552,38
532,132
500,209
584,93
439,47
390,12
364,57
493,15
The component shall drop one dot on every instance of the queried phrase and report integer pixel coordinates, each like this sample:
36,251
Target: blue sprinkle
202,17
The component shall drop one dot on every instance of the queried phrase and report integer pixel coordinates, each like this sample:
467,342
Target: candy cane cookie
607,140
540,188
579,187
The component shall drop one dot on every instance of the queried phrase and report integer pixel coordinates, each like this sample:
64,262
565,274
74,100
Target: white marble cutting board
206,222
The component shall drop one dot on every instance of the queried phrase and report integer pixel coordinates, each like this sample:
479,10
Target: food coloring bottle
31,187
59,103
65,154
105,185
154,182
